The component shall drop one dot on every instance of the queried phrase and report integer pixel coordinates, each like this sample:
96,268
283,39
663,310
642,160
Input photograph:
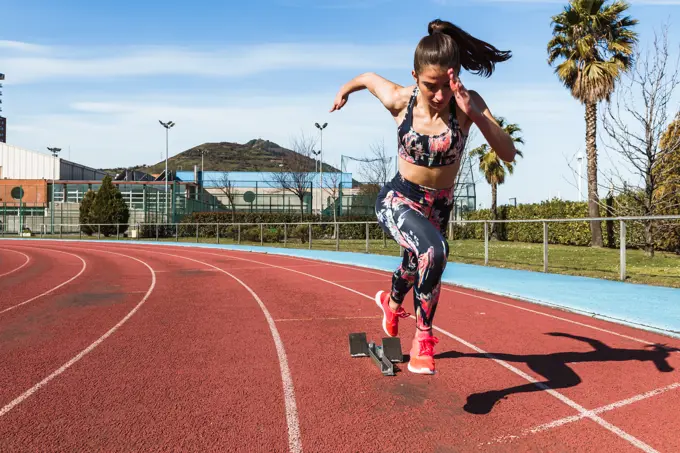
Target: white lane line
56,287
575,418
580,409
87,350
28,258
507,304
327,319
294,438
446,288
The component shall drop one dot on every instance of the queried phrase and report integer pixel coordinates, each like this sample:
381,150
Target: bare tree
377,167
332,182
297,173
226,186
635,131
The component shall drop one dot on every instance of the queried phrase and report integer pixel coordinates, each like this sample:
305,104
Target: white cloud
231,61
109,132
18,46
127,132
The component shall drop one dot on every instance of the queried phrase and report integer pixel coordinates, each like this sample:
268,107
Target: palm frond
591,46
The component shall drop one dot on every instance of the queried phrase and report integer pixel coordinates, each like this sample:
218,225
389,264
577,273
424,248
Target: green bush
666,237
300,231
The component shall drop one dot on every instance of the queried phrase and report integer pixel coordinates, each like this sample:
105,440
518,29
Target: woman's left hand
463,98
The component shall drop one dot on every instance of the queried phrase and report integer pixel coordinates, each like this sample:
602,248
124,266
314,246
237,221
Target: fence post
486,243
156,232
310,236
176,232
545,246
384,238
218,233
239,234
366,237
197,233
261,234
117,231
61,230
285,231
337,237
622,245
99,231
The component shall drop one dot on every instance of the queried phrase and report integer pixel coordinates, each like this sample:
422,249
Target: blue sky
95,77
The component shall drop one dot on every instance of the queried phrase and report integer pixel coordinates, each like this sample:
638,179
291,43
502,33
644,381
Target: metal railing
357,236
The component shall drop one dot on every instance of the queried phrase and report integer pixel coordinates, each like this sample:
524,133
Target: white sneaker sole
384,321
420,370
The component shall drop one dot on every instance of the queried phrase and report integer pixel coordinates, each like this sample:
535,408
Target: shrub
106,208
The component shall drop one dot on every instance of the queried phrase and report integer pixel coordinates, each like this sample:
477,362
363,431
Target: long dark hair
450,47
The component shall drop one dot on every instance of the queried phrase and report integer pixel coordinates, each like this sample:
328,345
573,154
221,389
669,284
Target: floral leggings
416,217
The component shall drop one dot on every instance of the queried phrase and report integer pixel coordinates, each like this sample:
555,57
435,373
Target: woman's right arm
390,94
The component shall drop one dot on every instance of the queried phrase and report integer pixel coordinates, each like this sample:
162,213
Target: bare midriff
430,177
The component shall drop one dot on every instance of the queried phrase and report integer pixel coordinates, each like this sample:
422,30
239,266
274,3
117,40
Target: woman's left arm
476,109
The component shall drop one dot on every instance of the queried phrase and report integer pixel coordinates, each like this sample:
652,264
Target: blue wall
247,179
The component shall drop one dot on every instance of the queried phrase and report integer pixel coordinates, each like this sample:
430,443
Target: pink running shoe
422,353
390,321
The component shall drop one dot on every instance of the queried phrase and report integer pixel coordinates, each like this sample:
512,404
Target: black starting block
384,356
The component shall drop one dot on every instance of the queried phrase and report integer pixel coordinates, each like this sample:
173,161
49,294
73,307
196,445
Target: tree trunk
494,214
593,199
650,187
649,238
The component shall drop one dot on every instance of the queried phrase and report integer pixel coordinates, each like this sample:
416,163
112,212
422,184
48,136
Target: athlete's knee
440,257
433,260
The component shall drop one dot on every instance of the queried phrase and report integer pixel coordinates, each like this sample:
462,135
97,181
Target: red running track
194,349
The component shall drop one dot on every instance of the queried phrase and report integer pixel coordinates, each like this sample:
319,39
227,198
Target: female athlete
433,119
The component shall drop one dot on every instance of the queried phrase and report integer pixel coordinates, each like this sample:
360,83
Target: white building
19,163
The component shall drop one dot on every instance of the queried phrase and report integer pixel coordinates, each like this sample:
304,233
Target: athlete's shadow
553,367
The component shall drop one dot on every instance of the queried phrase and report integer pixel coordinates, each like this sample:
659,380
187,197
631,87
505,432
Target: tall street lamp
203,152
316,160
321,128
167,127
55,152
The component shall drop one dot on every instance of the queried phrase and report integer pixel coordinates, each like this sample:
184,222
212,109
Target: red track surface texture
120,347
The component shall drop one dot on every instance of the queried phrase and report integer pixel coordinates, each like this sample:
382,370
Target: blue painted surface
265,180
648,307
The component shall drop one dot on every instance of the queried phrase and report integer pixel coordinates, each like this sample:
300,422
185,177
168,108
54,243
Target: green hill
256,155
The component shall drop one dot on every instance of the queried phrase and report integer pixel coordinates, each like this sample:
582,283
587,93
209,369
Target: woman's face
435,86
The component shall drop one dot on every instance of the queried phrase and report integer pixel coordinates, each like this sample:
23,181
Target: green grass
662,270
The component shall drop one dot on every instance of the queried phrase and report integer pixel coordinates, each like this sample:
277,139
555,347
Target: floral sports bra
430,150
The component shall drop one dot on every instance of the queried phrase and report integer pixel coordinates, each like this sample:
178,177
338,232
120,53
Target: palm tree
596,43
493,168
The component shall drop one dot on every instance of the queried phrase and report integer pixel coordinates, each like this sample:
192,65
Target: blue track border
652,308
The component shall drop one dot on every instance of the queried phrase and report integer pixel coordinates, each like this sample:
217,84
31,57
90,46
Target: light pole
55,152
167,127
316,160
579,158
321,128
202,151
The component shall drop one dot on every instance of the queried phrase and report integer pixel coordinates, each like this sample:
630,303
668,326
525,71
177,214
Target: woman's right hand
340,100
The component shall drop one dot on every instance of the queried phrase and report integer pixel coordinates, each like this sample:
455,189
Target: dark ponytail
448,46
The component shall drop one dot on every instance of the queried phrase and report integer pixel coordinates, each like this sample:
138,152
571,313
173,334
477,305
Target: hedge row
208,227
666,237
666,233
